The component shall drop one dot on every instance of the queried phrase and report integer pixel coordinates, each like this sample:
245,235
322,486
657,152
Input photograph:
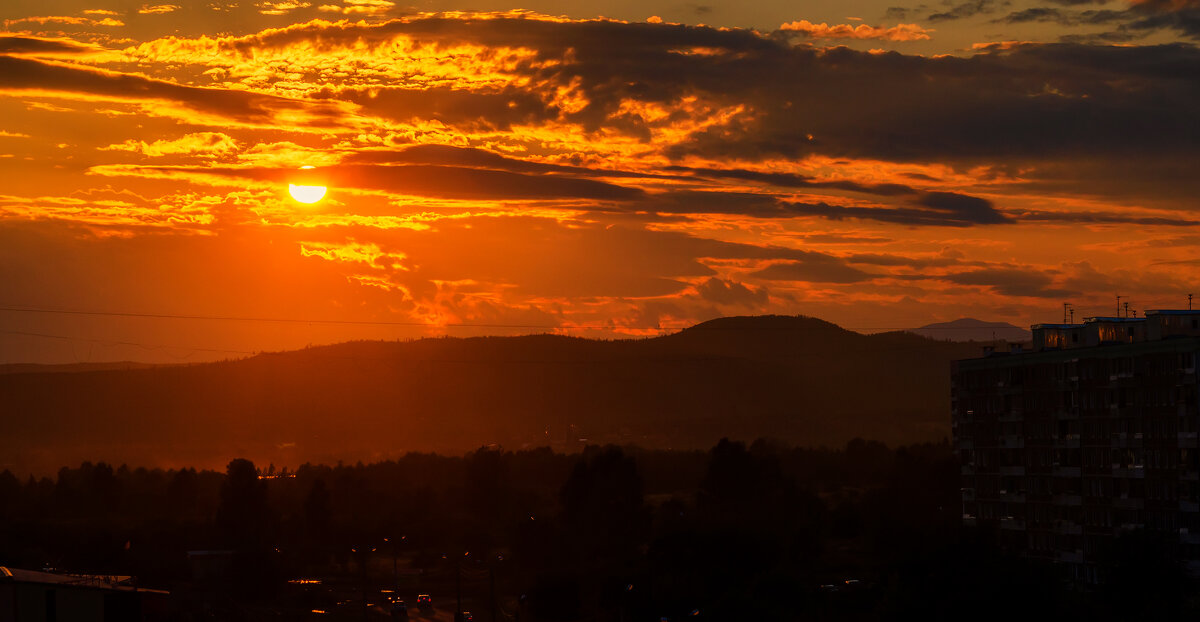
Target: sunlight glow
307,194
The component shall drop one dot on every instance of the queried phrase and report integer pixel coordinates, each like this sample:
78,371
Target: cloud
435,181
1105,218
51,78
731,293
899,32
1029,283
199,143
281,8
18,44
717,90
971,8
158,9
964,207
63,19
815,268
945,209
795,180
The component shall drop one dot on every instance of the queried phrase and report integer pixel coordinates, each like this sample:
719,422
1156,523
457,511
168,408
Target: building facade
1089,433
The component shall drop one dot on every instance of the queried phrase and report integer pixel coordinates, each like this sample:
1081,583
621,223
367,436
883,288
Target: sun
307,194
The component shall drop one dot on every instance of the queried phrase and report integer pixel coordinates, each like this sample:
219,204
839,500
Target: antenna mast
1119,297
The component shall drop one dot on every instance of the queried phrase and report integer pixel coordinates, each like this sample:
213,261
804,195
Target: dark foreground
736,533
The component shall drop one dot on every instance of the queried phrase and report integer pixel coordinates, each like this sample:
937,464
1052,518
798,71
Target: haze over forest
795,379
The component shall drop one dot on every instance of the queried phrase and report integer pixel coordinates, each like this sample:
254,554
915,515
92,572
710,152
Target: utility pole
492,588
458,589
1119,297
1126,309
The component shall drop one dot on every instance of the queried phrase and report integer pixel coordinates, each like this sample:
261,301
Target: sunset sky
602,168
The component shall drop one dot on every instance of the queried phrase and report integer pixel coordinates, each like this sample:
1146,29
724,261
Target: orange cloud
158,9
201,143
61,19
46,78
281,8
900,32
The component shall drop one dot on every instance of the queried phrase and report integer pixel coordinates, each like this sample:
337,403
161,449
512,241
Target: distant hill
797,379
25,368
970,329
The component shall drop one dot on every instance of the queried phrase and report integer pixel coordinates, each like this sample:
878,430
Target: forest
762,531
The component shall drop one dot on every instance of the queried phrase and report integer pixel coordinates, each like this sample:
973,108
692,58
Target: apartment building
1088,432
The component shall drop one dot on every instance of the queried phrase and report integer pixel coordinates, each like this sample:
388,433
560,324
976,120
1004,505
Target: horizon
199,356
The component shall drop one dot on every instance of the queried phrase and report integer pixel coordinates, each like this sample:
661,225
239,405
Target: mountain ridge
797,379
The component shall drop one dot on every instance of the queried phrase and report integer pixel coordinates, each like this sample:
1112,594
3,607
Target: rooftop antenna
1119,297
1068,309
1126,309
1189,302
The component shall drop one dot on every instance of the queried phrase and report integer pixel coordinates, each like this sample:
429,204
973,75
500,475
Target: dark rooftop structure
39,596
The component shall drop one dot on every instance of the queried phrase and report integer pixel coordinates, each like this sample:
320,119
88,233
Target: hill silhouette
971,329
797,379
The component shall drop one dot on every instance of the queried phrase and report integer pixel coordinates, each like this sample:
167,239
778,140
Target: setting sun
307,194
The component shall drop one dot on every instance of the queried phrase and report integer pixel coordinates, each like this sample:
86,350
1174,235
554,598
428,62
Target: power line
113,342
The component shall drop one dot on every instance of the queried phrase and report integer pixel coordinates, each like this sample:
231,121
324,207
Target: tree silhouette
243,519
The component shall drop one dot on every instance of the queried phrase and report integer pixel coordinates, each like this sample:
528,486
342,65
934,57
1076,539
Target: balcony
1068,500
1189,506
1012,524
1070,441
1070,557
1134,472
1125,503
1012,470
1067,471
1013,497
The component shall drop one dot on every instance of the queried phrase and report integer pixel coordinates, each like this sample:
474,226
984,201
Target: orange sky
511,172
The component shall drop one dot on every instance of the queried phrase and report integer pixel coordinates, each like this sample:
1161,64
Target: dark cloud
1035,14
1010,282
885,259
815,269
448,155
244,106
442,182
937,209
34,45
793,180
498,110
963,207
732,293
1104,218
1141,19
967,9
1034,102
946,209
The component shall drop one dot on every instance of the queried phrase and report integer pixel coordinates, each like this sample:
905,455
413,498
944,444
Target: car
424,602
399,609
464,616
